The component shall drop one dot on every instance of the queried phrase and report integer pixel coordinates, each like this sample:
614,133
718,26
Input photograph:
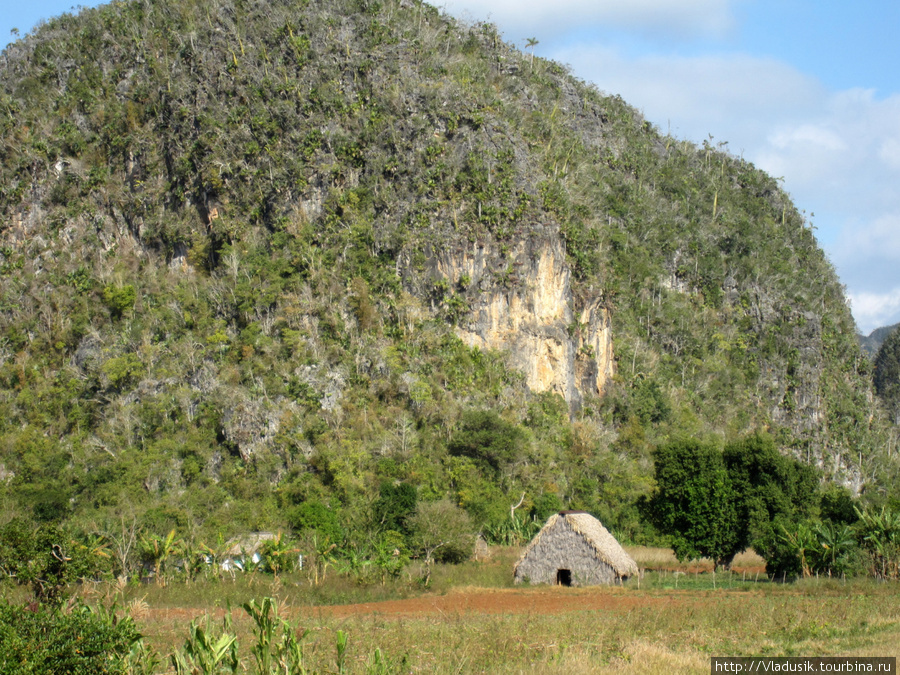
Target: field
472,620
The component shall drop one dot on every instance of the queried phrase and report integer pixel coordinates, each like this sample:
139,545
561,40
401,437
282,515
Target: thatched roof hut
249,543
244,551
574,549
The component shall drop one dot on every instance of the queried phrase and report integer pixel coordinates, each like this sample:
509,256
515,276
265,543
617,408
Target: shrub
315,516
443,532
119,299
395,504
82,641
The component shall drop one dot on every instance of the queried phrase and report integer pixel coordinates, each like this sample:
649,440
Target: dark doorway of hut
563,577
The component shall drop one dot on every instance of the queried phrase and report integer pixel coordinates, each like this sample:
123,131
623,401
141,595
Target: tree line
716,502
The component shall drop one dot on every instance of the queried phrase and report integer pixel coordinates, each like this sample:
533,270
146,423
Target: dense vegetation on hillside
872,342
214,309
886,374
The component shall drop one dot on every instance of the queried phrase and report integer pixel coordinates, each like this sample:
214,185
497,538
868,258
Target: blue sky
807,90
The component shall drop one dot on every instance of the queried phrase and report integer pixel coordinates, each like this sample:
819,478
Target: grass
649,627
663,630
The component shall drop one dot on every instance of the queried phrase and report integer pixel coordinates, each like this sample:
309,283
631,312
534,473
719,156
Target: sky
807,90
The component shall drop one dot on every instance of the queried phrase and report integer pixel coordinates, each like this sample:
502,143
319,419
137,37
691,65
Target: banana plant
834,547
215,554
158,551
279,555
880,536
801,541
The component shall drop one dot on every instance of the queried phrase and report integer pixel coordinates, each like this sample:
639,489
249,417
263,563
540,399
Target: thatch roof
249,543
565,525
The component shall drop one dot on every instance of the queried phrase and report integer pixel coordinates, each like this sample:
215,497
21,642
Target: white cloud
876,239
678,19
874,310
807,136
890,152
845,160
866,254
846,152
736,98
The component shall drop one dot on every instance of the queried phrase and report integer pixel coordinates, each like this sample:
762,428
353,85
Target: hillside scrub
886,374
219,312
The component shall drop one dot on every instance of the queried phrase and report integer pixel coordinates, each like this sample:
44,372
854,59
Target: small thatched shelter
244,551
574,549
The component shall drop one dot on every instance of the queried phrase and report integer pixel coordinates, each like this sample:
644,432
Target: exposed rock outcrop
518,297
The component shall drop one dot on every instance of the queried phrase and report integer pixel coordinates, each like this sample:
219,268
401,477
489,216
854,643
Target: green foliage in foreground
684,616
42,639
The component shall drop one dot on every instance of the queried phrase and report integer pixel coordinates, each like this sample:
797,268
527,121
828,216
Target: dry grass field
473,620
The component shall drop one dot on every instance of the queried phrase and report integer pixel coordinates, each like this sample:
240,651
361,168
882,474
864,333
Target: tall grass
676,629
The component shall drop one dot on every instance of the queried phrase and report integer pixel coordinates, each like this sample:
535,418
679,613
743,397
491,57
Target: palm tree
532,43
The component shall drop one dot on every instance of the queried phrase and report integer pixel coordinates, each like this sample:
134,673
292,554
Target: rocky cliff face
518,297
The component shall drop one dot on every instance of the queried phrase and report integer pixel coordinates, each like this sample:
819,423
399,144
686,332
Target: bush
316,517
49,558
837,505
83,641
119,299
395,504
442,532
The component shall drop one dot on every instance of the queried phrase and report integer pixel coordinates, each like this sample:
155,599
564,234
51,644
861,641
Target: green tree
489,440
314,516
694,502
772,492
838,506
394,506
50,557
119,299
441,531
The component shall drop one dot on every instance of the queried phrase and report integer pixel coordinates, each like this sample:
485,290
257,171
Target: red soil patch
550,600
544,600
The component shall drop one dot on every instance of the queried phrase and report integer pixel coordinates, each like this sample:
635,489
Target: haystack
574,549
